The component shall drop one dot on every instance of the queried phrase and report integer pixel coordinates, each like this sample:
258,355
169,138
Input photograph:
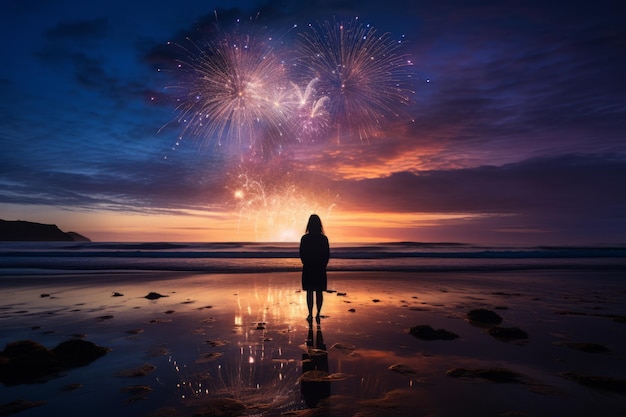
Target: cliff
22,231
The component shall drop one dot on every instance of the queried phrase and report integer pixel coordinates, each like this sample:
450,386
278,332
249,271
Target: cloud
584,185
115,181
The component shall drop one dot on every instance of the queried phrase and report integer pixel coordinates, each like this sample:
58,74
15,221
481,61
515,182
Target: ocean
53,257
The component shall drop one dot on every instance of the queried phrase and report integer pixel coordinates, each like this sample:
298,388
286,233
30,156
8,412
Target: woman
314,253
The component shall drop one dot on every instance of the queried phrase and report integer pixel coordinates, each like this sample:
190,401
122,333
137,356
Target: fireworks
347,81
343,81
235,92
361,73
275,206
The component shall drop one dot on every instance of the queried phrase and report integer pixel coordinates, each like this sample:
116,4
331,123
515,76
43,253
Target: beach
185,344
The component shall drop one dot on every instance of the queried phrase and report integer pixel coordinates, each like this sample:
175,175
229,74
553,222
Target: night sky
515,132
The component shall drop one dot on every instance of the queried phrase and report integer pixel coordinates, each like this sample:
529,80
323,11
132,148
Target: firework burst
361,72
347,81
235,91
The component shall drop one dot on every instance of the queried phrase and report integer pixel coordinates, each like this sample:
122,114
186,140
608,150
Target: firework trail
361,72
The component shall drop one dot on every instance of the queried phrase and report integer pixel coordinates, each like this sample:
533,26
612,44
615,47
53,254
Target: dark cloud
571,184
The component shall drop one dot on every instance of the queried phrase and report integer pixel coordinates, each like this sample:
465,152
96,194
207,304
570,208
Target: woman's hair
314,226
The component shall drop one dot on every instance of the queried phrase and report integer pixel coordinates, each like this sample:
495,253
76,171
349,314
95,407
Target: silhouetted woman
314,253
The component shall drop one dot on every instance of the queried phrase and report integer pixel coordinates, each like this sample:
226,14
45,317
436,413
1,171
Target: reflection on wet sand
241,342
314,382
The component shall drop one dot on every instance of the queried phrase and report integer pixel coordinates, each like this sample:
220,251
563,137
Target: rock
483,316
26,361
598,382
404,370
139,371
313,376
490,374
585,347
77,352
136,389
117,294
154,296
508,333
425,332
136,393
208,357
216,343
345,348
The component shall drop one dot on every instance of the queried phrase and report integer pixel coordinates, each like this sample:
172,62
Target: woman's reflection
314,382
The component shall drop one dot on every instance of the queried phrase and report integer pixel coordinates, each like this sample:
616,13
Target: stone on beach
490,374
508,333
483,316
136,392
598,382
138,371
426,332
77,352
26,361
345,348
404,370
585,347
208,357
154,296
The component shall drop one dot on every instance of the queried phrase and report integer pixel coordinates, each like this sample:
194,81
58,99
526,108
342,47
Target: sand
236,344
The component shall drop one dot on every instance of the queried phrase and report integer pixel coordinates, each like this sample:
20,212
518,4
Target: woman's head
314,226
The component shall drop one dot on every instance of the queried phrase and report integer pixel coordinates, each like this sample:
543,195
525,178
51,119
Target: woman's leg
309,302
319,300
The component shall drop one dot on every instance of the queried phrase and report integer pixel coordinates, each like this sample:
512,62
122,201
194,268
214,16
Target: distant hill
22,231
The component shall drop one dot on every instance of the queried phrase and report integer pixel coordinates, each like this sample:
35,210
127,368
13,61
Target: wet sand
236,344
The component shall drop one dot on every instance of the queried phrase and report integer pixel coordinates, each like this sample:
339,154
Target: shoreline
235,267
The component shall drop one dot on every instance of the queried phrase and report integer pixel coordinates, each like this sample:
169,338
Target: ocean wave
238,257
